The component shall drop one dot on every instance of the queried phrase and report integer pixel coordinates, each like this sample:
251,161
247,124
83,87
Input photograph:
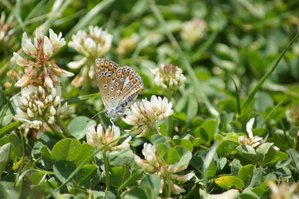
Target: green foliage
243,65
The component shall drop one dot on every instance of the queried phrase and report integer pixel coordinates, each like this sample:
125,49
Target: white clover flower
148,113
252,140
153,164
169,76
193,31
37,105
109,138
40,69
91,45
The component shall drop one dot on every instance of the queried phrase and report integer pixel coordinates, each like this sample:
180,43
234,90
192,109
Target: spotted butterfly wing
118,86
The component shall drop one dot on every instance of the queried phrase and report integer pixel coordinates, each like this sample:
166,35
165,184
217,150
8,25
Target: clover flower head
148,113
96,42
252,140
153,164
40,68
193,31
37,105
91,45
98,138
169,76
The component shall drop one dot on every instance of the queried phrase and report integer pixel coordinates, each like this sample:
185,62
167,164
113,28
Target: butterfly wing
106,70
118,85
130,85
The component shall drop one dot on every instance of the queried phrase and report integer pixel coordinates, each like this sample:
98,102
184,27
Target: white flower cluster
169,76
98,138
251,140
95,43
90,45
193,31
148,113
40,100
40,69
38,104
153,164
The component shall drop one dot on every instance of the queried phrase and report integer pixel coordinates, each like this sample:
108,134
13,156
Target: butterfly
118,86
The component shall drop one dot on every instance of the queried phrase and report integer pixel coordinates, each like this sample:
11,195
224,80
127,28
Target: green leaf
246,173
279,156
211,170
86,173
248,153
206,131
226,148
4,156
185,157
136,193
8,190
185,143
67,155
71,150
162,149
46,157
10,127
118,175
119,158
66,149
171,156
228,182
265,152
16,149
132,179
79,125
151,185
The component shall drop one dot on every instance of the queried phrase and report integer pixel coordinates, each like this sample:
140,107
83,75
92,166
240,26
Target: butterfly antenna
96,115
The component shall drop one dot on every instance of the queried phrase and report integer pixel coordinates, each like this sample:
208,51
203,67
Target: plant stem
54,131
64,129
107,174
169,182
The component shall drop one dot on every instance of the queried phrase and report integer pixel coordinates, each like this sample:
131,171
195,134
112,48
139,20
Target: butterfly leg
111,120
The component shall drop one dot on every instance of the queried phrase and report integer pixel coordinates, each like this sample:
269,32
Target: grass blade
266,75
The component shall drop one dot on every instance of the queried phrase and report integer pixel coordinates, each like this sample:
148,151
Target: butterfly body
118,86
